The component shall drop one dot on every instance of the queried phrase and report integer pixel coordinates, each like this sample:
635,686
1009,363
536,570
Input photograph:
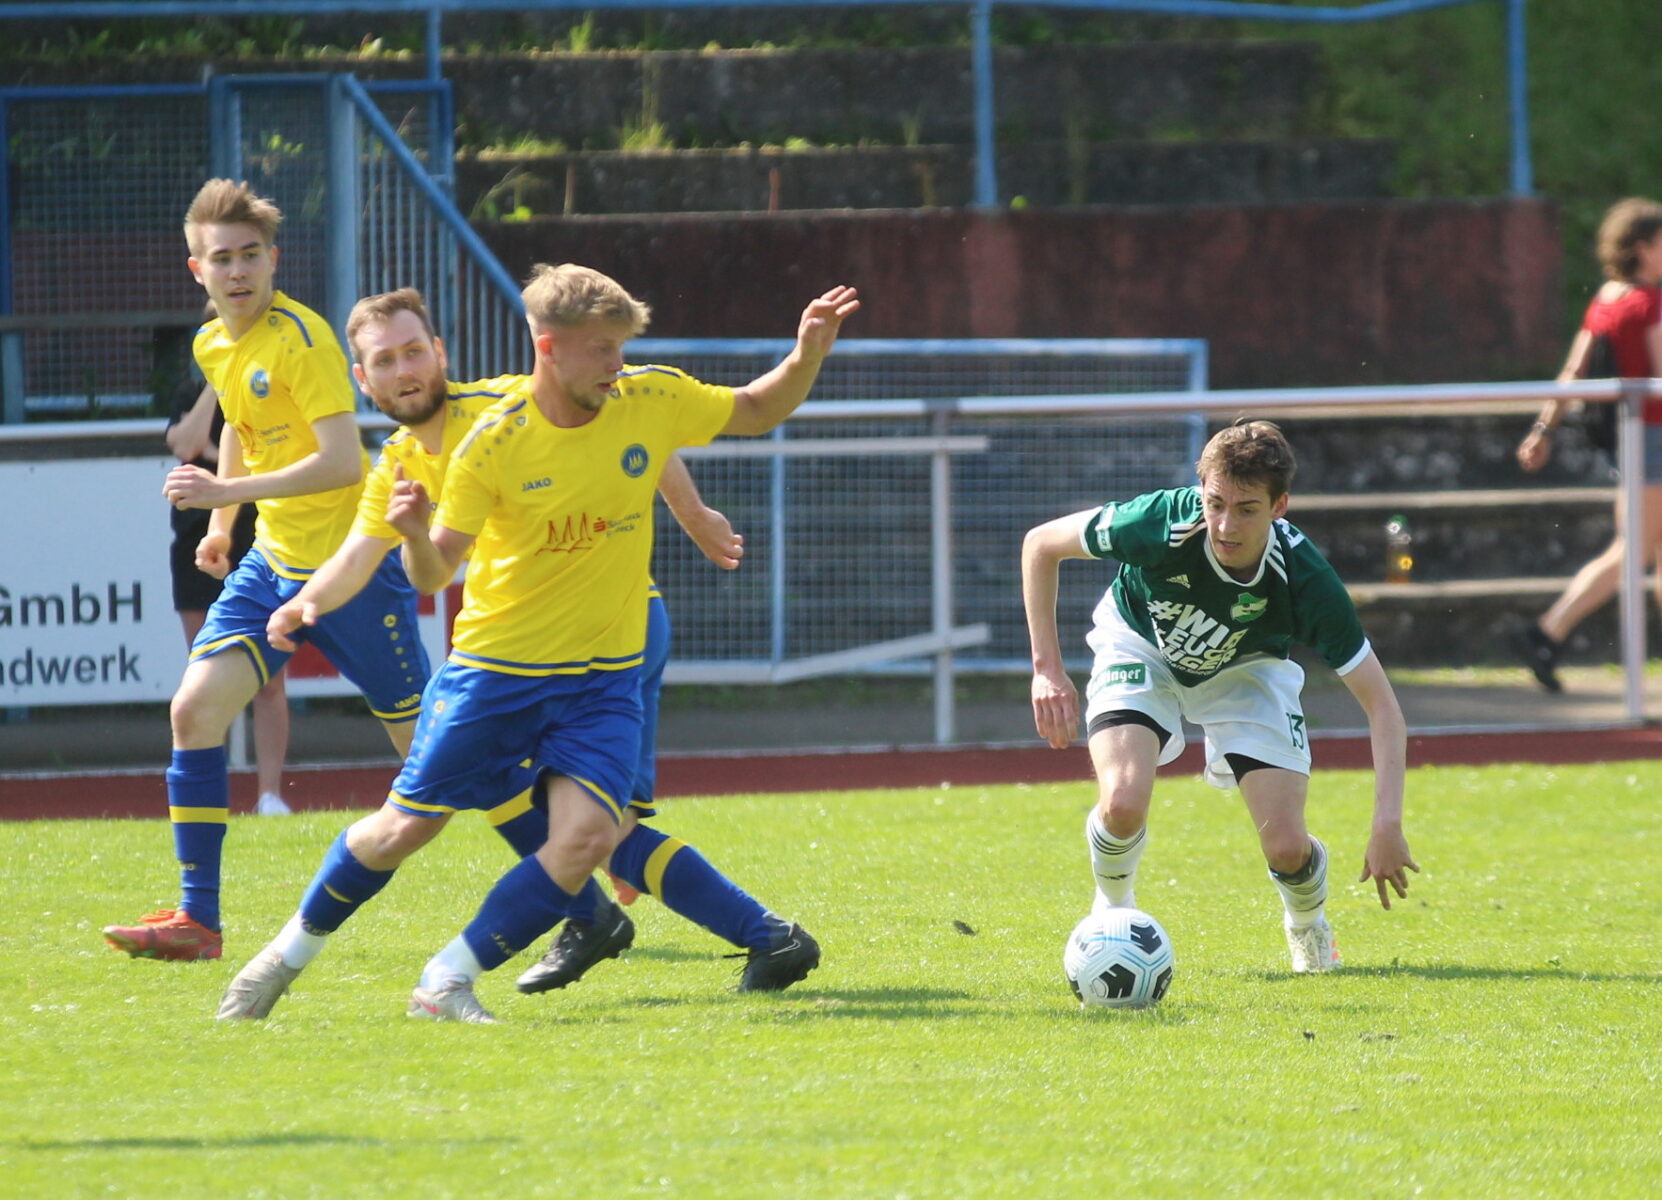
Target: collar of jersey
1223,574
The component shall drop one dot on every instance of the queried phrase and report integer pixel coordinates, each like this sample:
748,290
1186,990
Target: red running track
144,794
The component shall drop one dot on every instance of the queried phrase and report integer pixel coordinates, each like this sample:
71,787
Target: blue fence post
224,129
981,72
11,344
340,287
1517,70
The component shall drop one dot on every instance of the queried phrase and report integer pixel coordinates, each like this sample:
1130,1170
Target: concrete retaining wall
1288,295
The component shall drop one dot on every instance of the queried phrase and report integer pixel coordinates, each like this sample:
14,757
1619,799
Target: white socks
1113,862
296,945
1305,893
455,959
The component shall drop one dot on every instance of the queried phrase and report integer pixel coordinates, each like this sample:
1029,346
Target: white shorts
1250,707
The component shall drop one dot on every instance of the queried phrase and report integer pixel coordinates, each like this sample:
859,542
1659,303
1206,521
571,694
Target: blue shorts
478,727
652,685
372,639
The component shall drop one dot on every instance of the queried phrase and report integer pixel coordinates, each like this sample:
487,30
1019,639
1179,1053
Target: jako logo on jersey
1248,607
532,485
260,383
635,459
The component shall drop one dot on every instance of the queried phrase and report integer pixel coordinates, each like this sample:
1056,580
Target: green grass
1494,1035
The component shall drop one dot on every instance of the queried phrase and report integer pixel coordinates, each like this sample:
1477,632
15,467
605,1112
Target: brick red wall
1287,295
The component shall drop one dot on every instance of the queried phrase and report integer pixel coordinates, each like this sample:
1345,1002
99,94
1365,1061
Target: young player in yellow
401,365
291,443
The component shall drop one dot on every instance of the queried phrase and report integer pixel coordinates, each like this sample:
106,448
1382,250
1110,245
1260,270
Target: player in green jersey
1214,587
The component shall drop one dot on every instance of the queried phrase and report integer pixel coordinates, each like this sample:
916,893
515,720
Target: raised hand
823,319
409,508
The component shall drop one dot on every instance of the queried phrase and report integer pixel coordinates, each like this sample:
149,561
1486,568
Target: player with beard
402,366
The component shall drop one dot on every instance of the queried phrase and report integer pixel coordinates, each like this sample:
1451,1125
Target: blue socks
686,883
341,886
524,905
198,802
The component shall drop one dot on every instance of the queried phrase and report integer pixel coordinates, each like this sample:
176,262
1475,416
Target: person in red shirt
1620,335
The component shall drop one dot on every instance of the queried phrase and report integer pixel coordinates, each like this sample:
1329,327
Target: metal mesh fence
96,190
839,548
102,307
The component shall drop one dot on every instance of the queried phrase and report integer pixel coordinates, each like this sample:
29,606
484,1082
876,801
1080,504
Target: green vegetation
1435,83
1493,1035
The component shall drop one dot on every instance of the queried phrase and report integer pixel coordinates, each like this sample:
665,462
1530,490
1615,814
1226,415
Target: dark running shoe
1540,655
787,961
578,946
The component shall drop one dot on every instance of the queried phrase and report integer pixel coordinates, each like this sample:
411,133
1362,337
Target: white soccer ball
1118,958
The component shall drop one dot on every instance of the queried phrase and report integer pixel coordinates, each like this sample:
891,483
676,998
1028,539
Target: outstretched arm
1388,858
710,531
1055,699
769,399
331,585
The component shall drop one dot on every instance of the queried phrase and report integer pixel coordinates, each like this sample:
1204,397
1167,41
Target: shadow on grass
1163,1015
244,1142
804,1001
668,954
1456,971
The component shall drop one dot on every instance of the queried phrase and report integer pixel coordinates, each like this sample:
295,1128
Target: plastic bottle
1399,550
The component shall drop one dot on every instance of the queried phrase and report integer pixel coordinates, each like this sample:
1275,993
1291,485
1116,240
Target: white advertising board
86,602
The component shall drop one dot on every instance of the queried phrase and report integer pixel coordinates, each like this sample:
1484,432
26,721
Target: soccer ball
1118,958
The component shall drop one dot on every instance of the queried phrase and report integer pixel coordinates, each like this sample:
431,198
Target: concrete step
1042,173
916,94
897,95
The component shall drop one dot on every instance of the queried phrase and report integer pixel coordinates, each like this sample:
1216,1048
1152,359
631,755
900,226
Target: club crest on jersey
635,459
1248,607
260,383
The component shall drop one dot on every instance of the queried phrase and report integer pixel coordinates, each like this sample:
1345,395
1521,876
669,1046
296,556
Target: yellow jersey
463,404
273,383
558,582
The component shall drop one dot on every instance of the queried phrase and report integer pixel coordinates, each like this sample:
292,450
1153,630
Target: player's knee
197,720
1286,851
1122,808
385,838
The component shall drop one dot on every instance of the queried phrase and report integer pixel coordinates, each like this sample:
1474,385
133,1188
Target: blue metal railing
986,180
389,221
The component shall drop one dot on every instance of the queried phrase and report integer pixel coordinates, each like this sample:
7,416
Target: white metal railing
944,635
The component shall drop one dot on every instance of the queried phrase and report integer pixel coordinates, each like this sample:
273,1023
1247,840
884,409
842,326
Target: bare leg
271,734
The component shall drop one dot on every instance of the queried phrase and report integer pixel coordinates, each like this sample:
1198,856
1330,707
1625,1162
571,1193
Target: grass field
1495,1035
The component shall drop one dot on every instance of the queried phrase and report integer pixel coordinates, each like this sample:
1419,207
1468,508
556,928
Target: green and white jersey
1173,592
